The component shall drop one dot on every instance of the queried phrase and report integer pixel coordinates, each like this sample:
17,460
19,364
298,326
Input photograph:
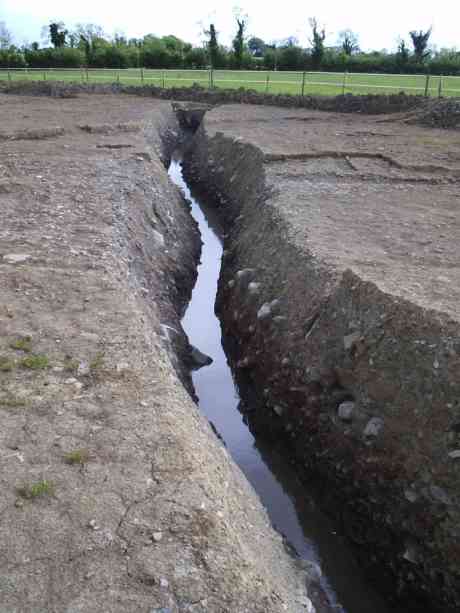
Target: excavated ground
341,288
116,495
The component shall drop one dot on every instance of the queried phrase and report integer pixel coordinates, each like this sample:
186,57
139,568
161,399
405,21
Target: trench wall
363,387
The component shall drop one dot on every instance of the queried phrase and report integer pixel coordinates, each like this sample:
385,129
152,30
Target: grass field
326,83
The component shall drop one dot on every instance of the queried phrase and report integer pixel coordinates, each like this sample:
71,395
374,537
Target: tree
212,46
348,41
402,54
57,34
256,46
317,42
5,36
238,41
420,43
90,36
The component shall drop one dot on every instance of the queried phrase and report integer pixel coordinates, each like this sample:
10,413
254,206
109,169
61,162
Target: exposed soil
116,495
341,289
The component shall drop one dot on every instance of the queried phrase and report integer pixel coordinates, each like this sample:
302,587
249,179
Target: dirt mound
368,104
437,114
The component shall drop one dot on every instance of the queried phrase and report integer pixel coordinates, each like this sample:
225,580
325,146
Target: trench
308,532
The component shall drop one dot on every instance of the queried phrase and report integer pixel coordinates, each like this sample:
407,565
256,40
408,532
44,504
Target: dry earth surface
116,495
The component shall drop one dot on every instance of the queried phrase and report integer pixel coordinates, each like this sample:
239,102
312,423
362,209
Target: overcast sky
378,24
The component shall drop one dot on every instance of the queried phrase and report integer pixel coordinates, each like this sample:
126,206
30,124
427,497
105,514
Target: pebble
16,258
345,410
350,339
440,495
278,410
373,428
454,454
264,311
164,582
158,237
157,536
83,368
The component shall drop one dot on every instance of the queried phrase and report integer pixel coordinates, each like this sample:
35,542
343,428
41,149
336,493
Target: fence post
142,75
163,80
118,78
440,86
87,75
267,82
344,84
44,75
211,78
9,75
303,84
427,85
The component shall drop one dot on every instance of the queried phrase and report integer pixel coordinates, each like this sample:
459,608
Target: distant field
326,83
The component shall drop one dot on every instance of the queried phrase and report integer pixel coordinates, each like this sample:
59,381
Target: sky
378,24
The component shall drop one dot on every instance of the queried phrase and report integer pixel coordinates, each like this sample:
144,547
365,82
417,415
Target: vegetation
36,490
77,456
6,364
88,46
35,362
22,344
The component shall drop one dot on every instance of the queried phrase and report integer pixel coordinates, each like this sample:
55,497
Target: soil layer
341,290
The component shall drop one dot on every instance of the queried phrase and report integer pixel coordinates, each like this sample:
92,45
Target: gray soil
341,290
116,495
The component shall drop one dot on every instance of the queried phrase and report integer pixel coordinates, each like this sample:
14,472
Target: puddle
289,504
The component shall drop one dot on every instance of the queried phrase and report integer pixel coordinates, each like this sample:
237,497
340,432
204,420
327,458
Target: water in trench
290,506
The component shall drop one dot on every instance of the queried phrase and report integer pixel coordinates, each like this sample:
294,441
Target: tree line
88,46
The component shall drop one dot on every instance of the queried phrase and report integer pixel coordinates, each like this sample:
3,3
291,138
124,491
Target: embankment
347,324
116,494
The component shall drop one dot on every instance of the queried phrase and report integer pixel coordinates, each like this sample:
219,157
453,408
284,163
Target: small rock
198,358
16,258
454,454
440,495
246,272
93,524
231,284
373,428
157,536
410,495
83,368
71,381
264,311
253,288
121,366
345,410
159,238
278,410
164,583
350,340
19,503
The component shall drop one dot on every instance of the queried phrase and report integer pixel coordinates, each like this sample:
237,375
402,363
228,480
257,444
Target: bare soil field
115,493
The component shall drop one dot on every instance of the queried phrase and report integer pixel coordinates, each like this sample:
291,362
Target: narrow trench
290,506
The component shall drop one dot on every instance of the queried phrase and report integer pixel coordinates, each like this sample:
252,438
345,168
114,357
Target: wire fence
279,82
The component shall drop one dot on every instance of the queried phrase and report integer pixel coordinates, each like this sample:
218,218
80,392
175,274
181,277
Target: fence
290,82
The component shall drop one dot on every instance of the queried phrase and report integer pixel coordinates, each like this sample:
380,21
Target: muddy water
290,507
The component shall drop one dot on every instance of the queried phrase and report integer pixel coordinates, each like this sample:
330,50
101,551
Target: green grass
77,456
273,82
35,362
36,490
12,402
6,364
22,344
